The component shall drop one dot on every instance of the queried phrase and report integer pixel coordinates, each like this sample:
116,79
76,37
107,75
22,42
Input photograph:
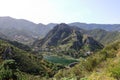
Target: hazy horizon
63,11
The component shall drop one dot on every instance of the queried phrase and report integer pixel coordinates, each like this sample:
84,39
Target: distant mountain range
103,36
22,30
107,27
27,32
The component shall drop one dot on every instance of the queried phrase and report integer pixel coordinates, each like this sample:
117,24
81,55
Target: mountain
19,64
104,36
107,27
22,30
15,43
42,29
51,25
3,36
26,32
59,35
64,38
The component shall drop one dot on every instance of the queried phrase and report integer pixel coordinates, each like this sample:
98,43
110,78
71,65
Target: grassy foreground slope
103,65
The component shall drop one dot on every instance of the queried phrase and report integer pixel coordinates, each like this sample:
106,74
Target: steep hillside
61,34
64,38
103,65
3,36
23,62
103,36
15,43
22,30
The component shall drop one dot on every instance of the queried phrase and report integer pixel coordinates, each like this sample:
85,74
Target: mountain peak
66,37
62,25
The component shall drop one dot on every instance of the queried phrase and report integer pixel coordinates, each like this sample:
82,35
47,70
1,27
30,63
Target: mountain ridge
65,38
22,30
27,32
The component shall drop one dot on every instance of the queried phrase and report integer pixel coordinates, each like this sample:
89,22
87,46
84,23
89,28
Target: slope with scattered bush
103,65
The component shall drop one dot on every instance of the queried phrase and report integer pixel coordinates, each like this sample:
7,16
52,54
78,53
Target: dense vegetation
103,65
16,44
20,65
15,62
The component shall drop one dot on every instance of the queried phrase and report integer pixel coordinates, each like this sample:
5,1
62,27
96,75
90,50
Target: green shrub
115,71
7,70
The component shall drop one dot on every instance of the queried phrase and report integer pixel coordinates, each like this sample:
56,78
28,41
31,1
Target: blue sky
57,11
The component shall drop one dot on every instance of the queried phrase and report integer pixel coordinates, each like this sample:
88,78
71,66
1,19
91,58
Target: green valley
61,52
